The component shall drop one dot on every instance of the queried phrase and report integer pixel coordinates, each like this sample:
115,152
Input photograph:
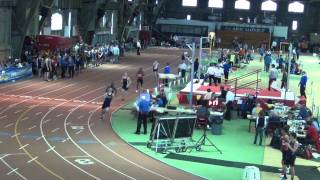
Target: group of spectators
52,65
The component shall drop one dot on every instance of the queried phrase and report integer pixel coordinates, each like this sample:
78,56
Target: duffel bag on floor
251,173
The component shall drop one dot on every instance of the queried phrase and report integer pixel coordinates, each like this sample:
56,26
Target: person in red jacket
312,134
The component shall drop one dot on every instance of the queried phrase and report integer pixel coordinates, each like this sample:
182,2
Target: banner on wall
244,29
15,73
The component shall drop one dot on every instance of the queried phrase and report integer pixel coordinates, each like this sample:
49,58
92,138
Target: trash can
216,127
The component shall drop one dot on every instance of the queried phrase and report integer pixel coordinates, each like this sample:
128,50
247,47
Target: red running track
51,130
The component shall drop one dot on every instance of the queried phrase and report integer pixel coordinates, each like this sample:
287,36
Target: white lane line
3,100
32,127
68,123
75,156
2,157
50,149
38,138
80,117
32,159
49,145
13,136
16,112
20,102
24,146
66,139
38,113
70,110
59,115
63,100
44,98
33,106
79,132
117,154
15,154
55,130
84,151
12,171
11,124
29,97
3,116
25,118
43,87
46,121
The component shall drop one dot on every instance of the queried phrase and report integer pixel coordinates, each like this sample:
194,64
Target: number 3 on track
84,161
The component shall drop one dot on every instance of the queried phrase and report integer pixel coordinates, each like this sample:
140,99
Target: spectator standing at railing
138,47
63,64
47,68
54,65
78,64
94,57
71,65
116,53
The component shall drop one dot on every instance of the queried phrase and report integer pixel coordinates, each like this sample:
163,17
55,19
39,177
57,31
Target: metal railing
237,85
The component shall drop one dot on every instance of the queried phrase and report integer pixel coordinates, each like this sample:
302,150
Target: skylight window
242,4
294,25
188,17
269,6
192,3
215,3
296,7
56,22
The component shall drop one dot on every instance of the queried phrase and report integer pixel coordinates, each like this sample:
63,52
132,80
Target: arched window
296,7
269,6
215,3
242,4
188,17
294,25
56,22
192,3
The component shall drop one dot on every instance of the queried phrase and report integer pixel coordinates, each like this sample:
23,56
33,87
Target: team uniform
110,92
125,83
